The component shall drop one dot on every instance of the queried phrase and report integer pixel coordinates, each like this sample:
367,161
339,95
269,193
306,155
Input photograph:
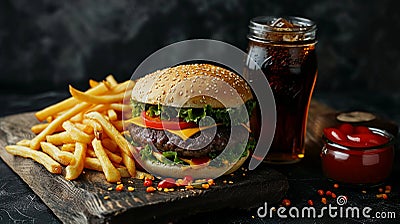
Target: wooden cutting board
82,200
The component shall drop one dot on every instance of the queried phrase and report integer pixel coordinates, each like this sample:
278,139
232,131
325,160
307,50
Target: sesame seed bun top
192,85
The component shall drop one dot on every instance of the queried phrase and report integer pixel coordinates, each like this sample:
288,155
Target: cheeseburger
191,120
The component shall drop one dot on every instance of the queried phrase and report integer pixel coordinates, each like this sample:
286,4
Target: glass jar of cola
284,49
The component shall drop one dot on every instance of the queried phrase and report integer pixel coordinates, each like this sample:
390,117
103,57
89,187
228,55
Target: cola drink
284,49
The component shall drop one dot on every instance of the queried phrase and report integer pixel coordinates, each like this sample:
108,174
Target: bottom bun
197,172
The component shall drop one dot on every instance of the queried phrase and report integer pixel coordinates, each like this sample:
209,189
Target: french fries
75,133
93,164
68,103
84,132
40,157
111,173
62,157
84,97
24,142
68,147
36,129
93,83
75,168
35,142
60,138
112,115
110,79
116,136
109,144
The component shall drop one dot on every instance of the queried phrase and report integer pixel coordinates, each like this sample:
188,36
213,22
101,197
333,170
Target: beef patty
192,147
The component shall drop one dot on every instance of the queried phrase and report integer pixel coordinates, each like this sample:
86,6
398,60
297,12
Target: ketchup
357,154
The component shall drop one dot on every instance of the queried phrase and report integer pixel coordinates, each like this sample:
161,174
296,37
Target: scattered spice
328,193
320,192
388,189
380,190
224,181
333,195
379,195
364,192
205,186
230,182
210,182
310,202
150,189
323,200
119,187
180,182
336,186
130,189
286,202
384,196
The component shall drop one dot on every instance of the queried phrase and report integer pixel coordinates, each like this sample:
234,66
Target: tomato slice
173,124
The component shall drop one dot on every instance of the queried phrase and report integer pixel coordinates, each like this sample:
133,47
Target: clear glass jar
355,165
284,49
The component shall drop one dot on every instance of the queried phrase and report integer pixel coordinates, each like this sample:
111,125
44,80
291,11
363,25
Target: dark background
49,44
46,45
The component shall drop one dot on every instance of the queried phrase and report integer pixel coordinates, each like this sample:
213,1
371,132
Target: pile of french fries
84,131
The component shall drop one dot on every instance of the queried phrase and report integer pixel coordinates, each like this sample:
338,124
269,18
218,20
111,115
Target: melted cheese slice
184,134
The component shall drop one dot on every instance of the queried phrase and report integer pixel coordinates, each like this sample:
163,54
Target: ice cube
282,23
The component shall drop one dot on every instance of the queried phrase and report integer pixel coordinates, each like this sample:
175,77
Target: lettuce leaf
233,153
220,115
173,156
147,154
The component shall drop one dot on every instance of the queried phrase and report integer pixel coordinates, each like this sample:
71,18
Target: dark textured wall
46,44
